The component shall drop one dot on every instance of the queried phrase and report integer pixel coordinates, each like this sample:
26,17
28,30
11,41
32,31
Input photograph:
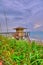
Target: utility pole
0,28
6,22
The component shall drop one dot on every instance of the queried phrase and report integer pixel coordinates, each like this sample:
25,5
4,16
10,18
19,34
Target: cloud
37,26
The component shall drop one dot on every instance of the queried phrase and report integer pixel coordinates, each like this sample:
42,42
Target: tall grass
20,52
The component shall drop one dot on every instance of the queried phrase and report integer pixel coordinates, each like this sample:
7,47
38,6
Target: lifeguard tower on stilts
20,34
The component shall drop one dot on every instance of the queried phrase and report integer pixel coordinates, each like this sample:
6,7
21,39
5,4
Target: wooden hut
19,34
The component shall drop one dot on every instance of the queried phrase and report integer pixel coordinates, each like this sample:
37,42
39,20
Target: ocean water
37,35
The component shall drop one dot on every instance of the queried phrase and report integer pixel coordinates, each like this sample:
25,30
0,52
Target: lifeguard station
20,34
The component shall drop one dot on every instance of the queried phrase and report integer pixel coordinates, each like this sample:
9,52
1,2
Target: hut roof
19,28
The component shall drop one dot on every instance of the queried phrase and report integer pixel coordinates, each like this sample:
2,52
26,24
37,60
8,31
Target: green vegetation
20,52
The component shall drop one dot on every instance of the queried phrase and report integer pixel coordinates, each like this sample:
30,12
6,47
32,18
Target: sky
26,13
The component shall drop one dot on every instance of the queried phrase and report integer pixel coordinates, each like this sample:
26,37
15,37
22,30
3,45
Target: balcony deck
14,34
